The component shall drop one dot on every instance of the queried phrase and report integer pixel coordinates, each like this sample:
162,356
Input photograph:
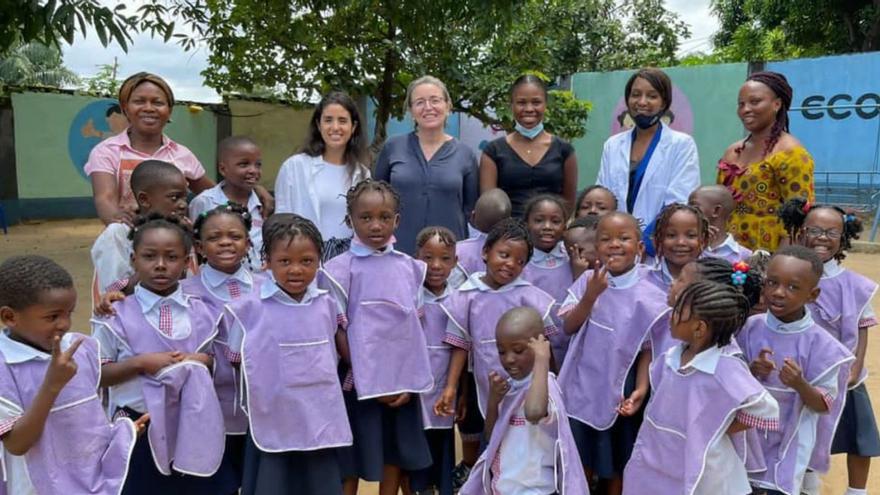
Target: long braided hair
780,87
723,308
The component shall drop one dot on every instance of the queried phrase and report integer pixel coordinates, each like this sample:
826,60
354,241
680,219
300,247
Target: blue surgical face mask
529,133
646,121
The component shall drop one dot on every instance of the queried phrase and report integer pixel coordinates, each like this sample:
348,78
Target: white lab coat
672,174
295,186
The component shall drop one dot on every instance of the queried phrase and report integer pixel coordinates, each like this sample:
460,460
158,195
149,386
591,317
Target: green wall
278,130
48,163
704,100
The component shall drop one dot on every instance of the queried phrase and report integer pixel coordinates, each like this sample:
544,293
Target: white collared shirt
429,297
18,479
130,394
527,453
808,419
728,249
619,282
272,291
475,283
360,249
111,256
296,191
217,282
724,472
551,259
214,197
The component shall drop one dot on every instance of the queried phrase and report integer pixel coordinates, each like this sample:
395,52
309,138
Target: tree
760,30
35,64
50,21
105,81
477,47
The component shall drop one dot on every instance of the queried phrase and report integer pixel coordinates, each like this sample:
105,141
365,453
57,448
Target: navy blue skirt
857,430
439,474
145,479
383,435
315,472
606,452
472,426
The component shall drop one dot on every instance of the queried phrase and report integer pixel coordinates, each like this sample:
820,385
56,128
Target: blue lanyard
642,167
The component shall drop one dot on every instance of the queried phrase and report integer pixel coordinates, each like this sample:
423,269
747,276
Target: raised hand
541,347
763,365
62,367
105,305
598,281
498,386
791,374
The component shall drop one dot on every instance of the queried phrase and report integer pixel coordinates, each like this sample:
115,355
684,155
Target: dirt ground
68,243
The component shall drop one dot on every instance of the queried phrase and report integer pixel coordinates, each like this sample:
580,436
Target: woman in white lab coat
650,165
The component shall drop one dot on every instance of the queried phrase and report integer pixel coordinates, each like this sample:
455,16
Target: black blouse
520,180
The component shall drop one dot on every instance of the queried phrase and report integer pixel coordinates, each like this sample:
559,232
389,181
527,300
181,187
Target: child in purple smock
596,200
716,202
379,290
436,247
530,446
55,434
843,308
475,309
680,235
223,243
700,396
719,270
549,268
580,244
492,207
612,311
801,365
284,338
156,346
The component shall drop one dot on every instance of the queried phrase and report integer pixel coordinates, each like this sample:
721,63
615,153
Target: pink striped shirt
115,156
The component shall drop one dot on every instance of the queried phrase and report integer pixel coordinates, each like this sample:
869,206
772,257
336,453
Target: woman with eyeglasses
434,173
767,168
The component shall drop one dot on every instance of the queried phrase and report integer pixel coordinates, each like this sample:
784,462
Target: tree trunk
384,93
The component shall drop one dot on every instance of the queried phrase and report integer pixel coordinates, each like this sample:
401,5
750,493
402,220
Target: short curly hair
23,279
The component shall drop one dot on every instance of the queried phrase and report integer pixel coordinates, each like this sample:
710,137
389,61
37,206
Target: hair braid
666,215
723,308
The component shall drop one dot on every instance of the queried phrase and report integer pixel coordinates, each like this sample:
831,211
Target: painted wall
55,132
840,137
703,105
278,130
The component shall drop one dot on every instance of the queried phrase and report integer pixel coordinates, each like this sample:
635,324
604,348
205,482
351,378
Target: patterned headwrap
135,80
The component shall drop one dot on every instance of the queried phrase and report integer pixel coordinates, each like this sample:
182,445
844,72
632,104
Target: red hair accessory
740,269
807,207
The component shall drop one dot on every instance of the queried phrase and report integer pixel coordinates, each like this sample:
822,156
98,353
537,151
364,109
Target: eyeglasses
816,232
435,101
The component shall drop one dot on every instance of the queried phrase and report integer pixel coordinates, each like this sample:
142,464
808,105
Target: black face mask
646,121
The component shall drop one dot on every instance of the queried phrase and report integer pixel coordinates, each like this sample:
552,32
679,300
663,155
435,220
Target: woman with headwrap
146,101
768,167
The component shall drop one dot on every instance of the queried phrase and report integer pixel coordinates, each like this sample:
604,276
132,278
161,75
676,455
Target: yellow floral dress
760,189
